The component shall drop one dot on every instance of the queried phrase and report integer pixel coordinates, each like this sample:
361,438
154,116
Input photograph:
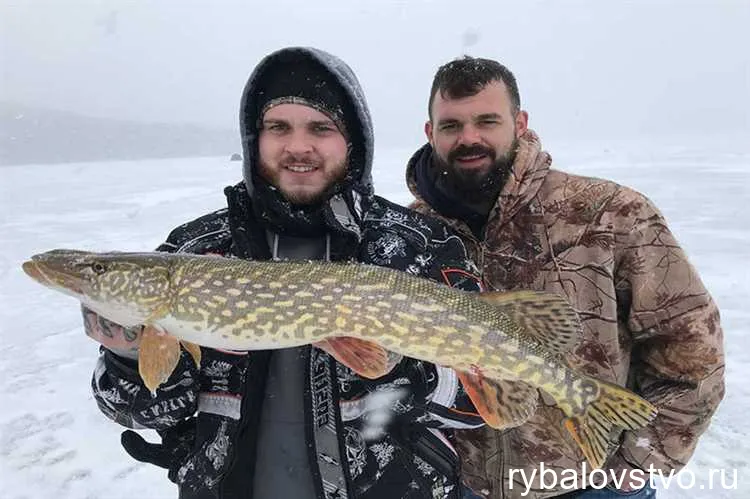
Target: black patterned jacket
215,448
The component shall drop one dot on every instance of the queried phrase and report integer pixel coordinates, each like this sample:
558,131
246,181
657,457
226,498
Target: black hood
420,176
343,209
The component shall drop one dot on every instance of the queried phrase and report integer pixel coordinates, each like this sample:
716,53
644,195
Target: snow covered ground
55,443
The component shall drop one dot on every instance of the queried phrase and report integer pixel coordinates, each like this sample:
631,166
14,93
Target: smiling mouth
301,168
471,159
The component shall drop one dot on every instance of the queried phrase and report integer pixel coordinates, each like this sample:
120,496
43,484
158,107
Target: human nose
299,143
469,135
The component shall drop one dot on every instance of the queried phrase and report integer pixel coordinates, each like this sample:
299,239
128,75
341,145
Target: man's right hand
120,340
171,453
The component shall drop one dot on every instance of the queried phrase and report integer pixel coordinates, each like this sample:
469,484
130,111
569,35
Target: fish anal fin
158,355
573,425
613,409
546,317
501,403
592,441
365,358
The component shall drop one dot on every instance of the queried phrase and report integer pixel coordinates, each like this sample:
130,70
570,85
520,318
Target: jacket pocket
435,451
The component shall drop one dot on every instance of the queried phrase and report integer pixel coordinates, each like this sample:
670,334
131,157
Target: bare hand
120,340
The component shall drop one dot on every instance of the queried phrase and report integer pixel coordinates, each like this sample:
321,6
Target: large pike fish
504,346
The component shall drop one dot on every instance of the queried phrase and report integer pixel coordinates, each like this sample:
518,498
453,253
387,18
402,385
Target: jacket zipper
237,440
257,367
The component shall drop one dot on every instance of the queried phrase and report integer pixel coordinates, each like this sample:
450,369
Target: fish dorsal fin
501,403
158,355
365,358
545,317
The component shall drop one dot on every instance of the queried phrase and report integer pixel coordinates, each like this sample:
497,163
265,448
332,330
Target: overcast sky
599,68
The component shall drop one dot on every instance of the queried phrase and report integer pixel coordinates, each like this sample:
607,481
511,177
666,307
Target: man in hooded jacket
295,422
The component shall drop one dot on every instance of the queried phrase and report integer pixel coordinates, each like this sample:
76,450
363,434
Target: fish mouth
46,276
34,271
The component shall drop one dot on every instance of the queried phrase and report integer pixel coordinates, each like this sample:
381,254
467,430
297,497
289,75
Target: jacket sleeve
118,388
447,404
122,397
678,354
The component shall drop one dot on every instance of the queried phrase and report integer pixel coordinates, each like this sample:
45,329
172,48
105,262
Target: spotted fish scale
504,346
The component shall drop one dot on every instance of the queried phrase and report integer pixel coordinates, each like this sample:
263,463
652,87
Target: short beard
306,199
312,199
472,182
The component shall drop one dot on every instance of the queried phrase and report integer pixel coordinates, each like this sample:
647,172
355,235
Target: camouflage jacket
649,322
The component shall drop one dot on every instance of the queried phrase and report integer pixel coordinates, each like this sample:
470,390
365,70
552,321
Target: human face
475,137
301,152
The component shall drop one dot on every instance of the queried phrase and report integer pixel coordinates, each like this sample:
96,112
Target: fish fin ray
158,355
194,351
501,403
616,408
546,317
365,358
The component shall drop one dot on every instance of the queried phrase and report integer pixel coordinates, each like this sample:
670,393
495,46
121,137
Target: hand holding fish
121,340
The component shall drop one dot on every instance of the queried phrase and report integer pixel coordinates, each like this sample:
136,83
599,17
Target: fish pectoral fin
194,351
546,317
501,403
158,355
365,358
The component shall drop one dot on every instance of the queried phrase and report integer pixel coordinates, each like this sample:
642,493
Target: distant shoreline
42,136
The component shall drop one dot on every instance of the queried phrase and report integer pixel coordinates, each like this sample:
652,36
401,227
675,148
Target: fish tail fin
615,408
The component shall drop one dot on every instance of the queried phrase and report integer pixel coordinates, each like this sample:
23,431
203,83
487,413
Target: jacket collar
522,185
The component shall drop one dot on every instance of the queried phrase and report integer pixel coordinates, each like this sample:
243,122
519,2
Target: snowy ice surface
55,443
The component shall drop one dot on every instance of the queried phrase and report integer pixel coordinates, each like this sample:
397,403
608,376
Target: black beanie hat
300,80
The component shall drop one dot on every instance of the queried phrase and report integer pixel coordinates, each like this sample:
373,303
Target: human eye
488,122
448,127
275,126
322,128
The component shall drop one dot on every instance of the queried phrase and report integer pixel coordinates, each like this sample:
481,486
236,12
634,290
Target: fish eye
98,268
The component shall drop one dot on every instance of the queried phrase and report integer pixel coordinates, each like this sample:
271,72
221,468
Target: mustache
300,160
472,150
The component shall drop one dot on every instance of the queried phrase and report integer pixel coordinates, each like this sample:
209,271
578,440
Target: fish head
126,288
